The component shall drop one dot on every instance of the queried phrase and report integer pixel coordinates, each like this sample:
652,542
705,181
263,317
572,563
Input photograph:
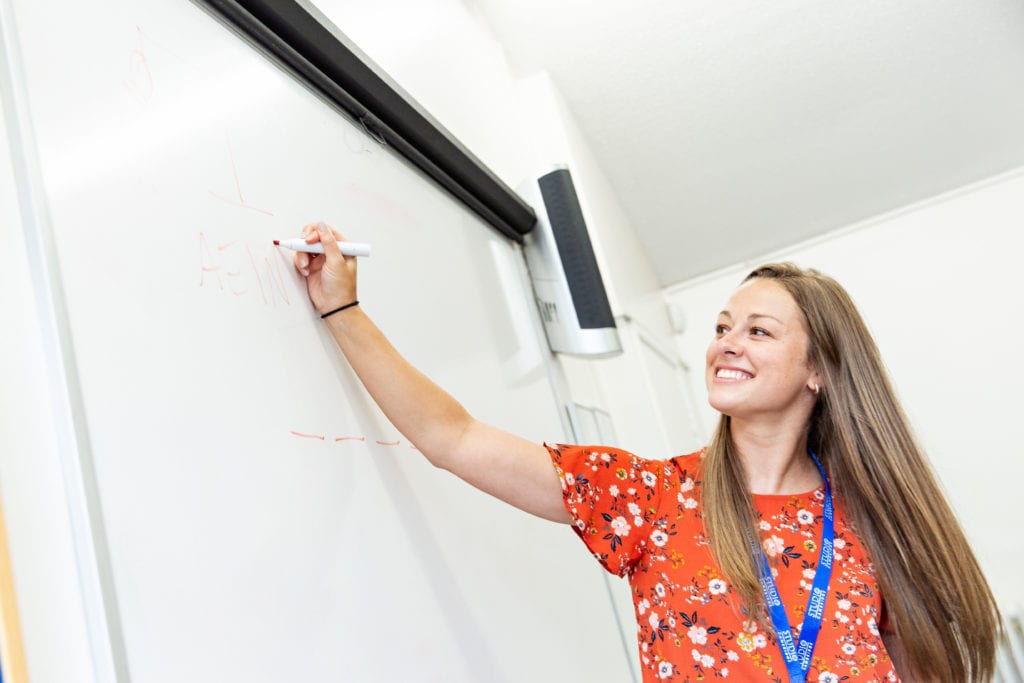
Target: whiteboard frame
92,556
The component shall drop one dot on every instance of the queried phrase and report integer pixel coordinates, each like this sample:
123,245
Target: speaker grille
575,251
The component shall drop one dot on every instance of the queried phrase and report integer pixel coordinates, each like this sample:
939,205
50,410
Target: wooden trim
12,651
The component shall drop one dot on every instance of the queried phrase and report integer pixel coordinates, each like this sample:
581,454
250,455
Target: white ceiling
733,128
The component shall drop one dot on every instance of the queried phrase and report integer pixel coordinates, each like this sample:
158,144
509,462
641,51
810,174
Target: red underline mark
350,438
388,443
309,436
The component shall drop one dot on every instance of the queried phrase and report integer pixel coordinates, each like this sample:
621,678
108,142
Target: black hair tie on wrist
339,308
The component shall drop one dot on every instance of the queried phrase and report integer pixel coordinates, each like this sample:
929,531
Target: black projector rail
287,32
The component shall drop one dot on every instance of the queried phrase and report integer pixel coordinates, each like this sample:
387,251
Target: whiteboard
264,521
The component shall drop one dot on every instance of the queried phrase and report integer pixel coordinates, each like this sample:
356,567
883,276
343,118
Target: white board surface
264,521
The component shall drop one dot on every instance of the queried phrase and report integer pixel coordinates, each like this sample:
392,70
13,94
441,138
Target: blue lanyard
798,656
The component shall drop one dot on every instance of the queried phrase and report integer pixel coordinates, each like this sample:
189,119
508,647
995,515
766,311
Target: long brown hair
937,598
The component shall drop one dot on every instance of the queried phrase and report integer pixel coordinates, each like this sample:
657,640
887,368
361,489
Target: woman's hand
331,276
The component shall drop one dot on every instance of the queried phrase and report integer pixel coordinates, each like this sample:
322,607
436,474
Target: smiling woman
812,502
824,389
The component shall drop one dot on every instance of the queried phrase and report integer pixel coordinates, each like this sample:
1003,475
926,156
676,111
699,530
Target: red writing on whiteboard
309,436
140,79
234,266
369,199
237,198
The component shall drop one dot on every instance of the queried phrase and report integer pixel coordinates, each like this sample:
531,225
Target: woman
740,563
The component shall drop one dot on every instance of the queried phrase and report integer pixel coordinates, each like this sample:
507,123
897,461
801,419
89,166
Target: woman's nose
728,345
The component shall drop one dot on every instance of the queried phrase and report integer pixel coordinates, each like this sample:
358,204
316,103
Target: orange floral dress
642,520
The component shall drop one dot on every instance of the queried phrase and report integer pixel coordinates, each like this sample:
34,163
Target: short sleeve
612,497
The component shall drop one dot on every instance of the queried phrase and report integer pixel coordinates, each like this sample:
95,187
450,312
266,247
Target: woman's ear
815,383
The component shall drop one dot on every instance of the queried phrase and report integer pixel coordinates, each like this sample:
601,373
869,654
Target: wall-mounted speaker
566,281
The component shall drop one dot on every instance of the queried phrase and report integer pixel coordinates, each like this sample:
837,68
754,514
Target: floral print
642,520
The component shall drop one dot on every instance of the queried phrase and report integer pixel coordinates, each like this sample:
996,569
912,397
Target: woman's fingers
314,262
301,258
329,238
307,263
331,276
312,234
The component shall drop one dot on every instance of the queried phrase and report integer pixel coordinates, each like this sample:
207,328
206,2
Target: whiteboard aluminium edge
92,556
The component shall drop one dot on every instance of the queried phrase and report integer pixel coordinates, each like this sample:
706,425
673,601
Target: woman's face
757,363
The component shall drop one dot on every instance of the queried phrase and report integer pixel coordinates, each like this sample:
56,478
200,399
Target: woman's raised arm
509,467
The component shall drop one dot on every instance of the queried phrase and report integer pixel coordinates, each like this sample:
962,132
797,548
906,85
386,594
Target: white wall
939,285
